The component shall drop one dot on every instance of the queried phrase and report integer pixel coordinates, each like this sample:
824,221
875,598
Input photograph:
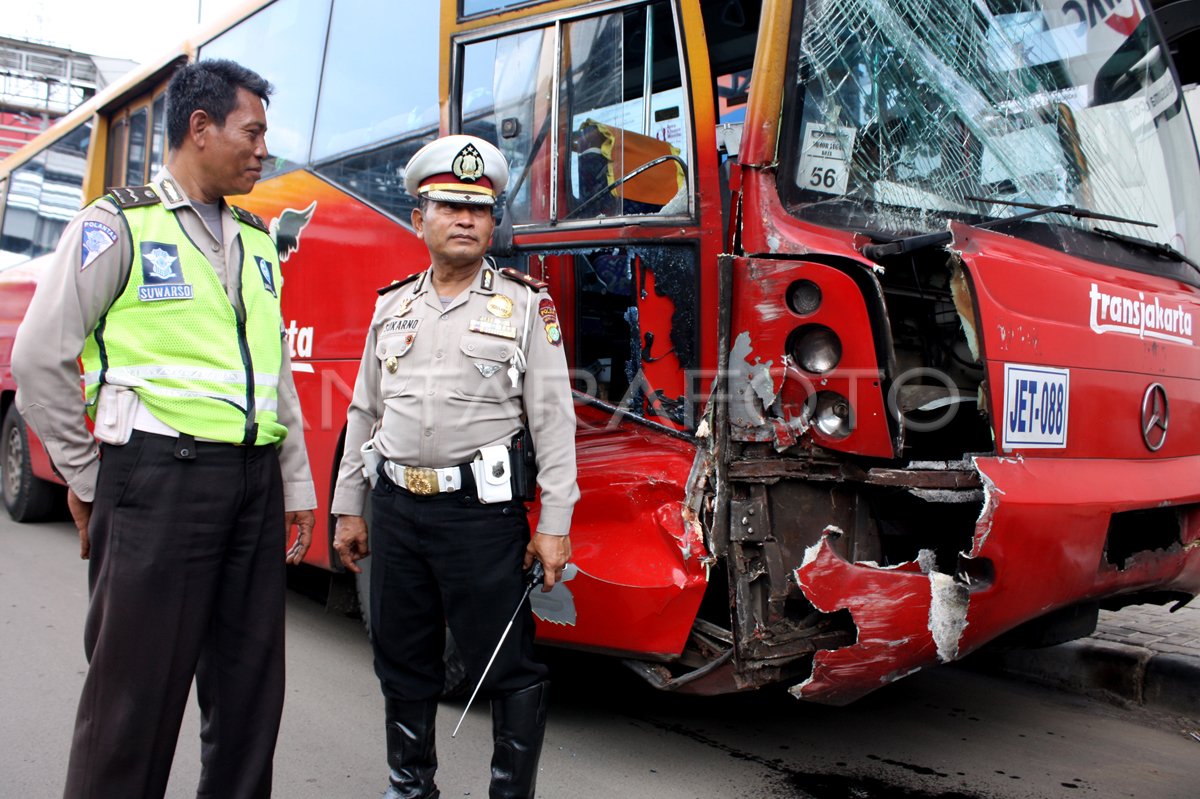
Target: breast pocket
485,369
395,365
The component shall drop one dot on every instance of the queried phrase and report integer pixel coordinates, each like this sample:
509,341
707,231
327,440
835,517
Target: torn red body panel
641,565
1056,514
891,611
1044,516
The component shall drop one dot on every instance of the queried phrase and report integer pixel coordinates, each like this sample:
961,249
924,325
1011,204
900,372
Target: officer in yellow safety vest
170,297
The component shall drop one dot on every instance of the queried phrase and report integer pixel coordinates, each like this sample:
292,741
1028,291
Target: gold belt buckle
420,480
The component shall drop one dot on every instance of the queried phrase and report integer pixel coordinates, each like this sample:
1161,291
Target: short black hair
210,86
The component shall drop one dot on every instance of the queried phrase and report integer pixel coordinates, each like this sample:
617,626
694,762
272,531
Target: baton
534,576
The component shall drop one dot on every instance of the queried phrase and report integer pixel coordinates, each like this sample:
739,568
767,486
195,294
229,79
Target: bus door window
635,329
505,98
605,324
622,106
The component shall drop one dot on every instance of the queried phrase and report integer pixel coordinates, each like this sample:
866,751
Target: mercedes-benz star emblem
1156,415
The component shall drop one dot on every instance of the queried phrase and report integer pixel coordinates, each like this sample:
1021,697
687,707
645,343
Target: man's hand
303,521
350,541
81,512
553,551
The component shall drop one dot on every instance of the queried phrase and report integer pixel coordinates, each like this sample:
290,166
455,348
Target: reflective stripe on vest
175,338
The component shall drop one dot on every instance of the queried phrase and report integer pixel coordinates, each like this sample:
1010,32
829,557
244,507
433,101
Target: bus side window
45,193
114,162
135,161
158,133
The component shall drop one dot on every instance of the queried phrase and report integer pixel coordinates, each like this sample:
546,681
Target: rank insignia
172,194
97,237
500,306
493,327
487,369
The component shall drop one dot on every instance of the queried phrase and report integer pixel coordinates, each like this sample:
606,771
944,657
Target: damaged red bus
880,312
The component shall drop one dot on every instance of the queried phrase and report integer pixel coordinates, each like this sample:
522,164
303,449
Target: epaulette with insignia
251,219
395,284
133,196
521,277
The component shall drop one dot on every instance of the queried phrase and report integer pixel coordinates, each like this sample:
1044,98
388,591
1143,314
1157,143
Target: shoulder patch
133,196
521,277
395,284
251,219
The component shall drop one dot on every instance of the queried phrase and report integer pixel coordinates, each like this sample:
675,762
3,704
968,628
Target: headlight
831,414
804,297
815,348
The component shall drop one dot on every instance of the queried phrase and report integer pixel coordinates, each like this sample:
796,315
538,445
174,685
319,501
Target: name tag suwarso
493,327
166,291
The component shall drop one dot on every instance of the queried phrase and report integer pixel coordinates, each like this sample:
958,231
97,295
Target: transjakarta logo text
1139,317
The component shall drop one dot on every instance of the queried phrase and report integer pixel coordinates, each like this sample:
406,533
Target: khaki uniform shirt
434,386
71,298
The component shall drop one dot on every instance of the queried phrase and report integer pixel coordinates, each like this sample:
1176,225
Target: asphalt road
948,733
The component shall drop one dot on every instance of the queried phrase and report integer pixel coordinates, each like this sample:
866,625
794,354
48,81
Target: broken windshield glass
916,110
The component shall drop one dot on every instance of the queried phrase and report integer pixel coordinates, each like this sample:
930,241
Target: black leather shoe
518,726
412,759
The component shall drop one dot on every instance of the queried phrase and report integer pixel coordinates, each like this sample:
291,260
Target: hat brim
461,197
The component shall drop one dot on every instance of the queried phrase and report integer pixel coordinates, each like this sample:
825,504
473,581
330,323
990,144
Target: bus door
606,113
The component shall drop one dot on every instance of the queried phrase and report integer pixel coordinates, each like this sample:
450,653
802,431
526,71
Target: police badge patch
268,277
549,316
162,274
468,164
97,237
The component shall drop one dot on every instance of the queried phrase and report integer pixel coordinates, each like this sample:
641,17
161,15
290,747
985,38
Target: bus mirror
502,236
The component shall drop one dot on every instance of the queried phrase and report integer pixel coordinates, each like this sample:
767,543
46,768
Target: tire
456,684
28,498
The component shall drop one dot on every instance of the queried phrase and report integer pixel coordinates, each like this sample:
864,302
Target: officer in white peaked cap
457,169
463,364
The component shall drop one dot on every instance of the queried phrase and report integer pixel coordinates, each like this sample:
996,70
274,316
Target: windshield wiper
1158,248
1042,210
907,244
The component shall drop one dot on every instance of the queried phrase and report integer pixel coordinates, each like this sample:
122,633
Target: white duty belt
422,481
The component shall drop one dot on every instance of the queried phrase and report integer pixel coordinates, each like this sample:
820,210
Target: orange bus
881,313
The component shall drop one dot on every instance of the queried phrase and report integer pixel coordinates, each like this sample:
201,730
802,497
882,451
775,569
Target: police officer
171,296
459,359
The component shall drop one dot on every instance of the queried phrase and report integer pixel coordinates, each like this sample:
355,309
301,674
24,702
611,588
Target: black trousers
448,560
186,578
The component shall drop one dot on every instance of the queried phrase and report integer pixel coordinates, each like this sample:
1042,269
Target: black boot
518,725
412,759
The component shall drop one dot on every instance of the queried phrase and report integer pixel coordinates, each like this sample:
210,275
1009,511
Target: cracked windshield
921,112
